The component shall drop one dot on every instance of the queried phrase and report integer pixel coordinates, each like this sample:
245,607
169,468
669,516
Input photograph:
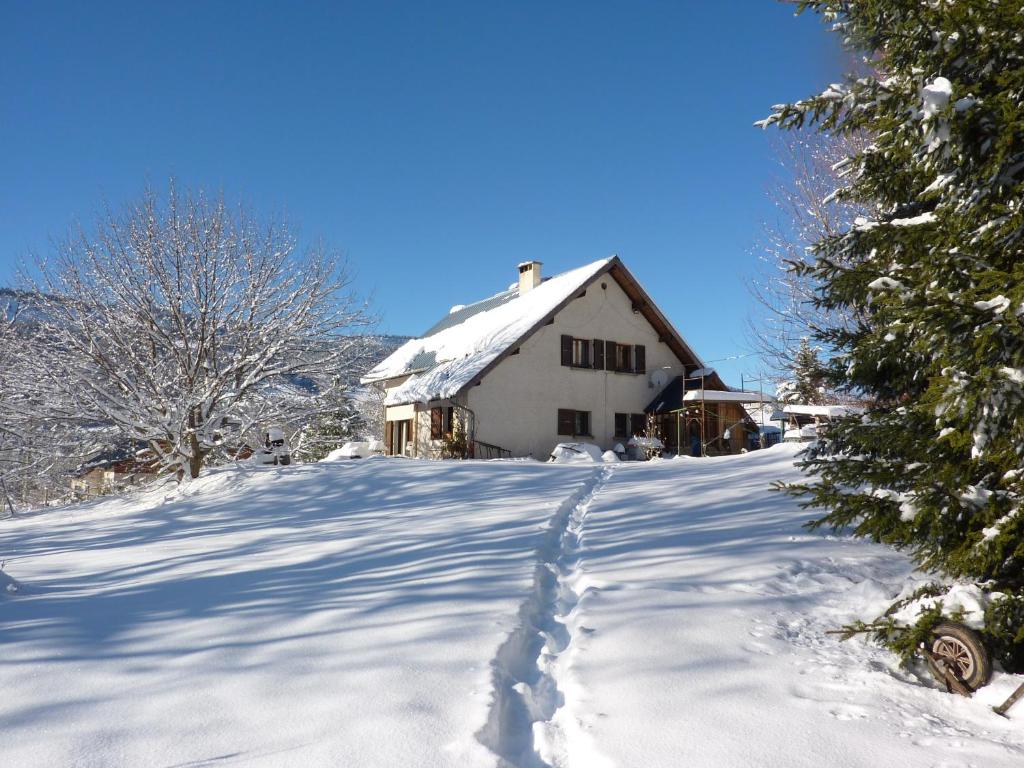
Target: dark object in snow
956,655
958,658
1014,697
275,448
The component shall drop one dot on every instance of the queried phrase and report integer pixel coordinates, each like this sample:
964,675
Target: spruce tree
332,427
935,276
805,386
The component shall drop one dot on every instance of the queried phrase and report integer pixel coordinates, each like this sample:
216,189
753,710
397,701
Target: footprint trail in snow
528,726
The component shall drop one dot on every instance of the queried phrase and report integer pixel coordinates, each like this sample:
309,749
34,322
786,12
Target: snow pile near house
453,357
355,449
574,453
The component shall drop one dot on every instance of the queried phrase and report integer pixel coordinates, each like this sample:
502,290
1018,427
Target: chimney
529,276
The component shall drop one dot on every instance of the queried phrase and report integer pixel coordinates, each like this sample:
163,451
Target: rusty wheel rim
957,655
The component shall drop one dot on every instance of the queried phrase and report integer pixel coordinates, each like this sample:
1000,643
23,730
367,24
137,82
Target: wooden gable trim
667,334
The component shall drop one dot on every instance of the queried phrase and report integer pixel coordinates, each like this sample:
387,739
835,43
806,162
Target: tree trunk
195,459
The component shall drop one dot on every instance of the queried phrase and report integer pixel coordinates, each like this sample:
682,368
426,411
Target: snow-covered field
403,613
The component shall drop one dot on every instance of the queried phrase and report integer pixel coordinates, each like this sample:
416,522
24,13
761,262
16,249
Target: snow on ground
389,612
332,614
699,636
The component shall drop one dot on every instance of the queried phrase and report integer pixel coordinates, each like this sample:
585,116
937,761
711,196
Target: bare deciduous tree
182,323
804,197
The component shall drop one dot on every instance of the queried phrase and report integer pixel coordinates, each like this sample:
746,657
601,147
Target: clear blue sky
436,144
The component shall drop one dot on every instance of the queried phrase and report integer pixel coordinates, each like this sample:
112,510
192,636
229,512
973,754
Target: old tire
962,649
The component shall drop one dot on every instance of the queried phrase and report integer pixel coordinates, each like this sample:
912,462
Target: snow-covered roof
720,396
830,411
463,343
766,411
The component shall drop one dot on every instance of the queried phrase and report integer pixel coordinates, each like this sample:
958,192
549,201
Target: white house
584,355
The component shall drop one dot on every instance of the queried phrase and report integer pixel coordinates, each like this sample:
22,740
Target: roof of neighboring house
106,457
465,345
828,411
721,396
680,392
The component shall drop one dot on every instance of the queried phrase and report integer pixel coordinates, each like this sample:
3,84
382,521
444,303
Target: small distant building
112,469
584,356
806,422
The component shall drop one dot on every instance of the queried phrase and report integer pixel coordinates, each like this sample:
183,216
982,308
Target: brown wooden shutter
566,421
609,355
640,358
389,438
566,350
621,424
598,355
436,423
585,344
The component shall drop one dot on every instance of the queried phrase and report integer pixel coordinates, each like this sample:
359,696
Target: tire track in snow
526,695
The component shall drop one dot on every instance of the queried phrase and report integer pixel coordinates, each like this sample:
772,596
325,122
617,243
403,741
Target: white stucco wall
516,405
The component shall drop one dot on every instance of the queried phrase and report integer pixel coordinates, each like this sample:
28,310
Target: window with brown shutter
436,425
598,355
582,425
623,358
637,424
566,421
621,424
566,350
609,355
581,353
639,359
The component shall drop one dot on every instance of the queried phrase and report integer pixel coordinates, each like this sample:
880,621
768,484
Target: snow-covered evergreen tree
936,275
338,422
806,382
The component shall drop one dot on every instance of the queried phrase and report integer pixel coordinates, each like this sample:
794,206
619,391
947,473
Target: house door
402,437
397,436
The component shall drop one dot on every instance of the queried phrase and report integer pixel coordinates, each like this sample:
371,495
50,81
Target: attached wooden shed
698,421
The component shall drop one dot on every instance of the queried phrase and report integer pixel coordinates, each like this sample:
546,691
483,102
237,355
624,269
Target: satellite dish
659,378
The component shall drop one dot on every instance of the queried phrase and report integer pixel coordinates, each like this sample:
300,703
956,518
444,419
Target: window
575,352
441,422
630,424
603,355
582,422
573,423
625,358
581,353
